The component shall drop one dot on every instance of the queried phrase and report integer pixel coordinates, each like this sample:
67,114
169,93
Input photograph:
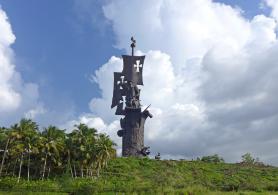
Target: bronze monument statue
127,92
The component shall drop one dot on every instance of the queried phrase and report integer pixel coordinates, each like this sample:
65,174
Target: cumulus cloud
9,98
210,75
17,98
182,29
98,123
274,5
161,93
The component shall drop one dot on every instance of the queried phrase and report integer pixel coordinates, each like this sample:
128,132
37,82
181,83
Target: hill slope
146,176
181,174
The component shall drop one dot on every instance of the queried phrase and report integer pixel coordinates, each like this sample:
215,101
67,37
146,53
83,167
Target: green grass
112,193
182,174
145,176
169,193
32,193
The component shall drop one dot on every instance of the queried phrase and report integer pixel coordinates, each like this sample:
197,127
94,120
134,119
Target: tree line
246,159
25,151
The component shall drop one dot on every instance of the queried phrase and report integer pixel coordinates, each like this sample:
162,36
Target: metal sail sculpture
127,92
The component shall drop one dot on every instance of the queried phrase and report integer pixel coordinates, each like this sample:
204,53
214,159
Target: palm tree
83,138
32,148
72,151
24,133
104,151
69,152
4,137
53,141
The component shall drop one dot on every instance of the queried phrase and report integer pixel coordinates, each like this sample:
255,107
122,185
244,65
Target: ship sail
120,110
133,68
117,92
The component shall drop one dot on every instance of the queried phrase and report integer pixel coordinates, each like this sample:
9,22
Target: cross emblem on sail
121,82
133,68
137,65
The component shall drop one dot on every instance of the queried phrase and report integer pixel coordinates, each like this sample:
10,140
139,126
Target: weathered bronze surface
127,92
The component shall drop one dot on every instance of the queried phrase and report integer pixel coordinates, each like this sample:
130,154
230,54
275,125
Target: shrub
213,159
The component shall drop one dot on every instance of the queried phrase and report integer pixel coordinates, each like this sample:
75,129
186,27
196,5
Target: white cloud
164,89
17,98
101,105
274,5
212,85
9,98
96,122
36,111
183,29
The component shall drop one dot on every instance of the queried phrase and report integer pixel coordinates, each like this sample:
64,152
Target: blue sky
59,50
250,7
210,71
59,46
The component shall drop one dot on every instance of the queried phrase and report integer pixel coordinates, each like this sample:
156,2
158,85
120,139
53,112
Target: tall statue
126,96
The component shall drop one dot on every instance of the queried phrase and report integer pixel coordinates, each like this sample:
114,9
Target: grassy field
32,193
176,192
112,193
145,176
181,174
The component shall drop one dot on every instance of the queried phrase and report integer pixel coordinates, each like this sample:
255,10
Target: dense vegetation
147,176
28,152
81,162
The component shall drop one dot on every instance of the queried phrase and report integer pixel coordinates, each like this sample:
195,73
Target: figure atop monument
133,45
126,96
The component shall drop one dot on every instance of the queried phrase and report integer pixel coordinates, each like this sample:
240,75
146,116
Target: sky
211,64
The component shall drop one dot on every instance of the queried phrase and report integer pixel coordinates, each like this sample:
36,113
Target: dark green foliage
146,176
212,159
29,153
248,159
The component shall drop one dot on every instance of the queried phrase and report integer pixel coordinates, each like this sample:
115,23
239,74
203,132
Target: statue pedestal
133,137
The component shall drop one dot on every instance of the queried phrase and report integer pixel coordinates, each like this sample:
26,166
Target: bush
248,159
213,159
